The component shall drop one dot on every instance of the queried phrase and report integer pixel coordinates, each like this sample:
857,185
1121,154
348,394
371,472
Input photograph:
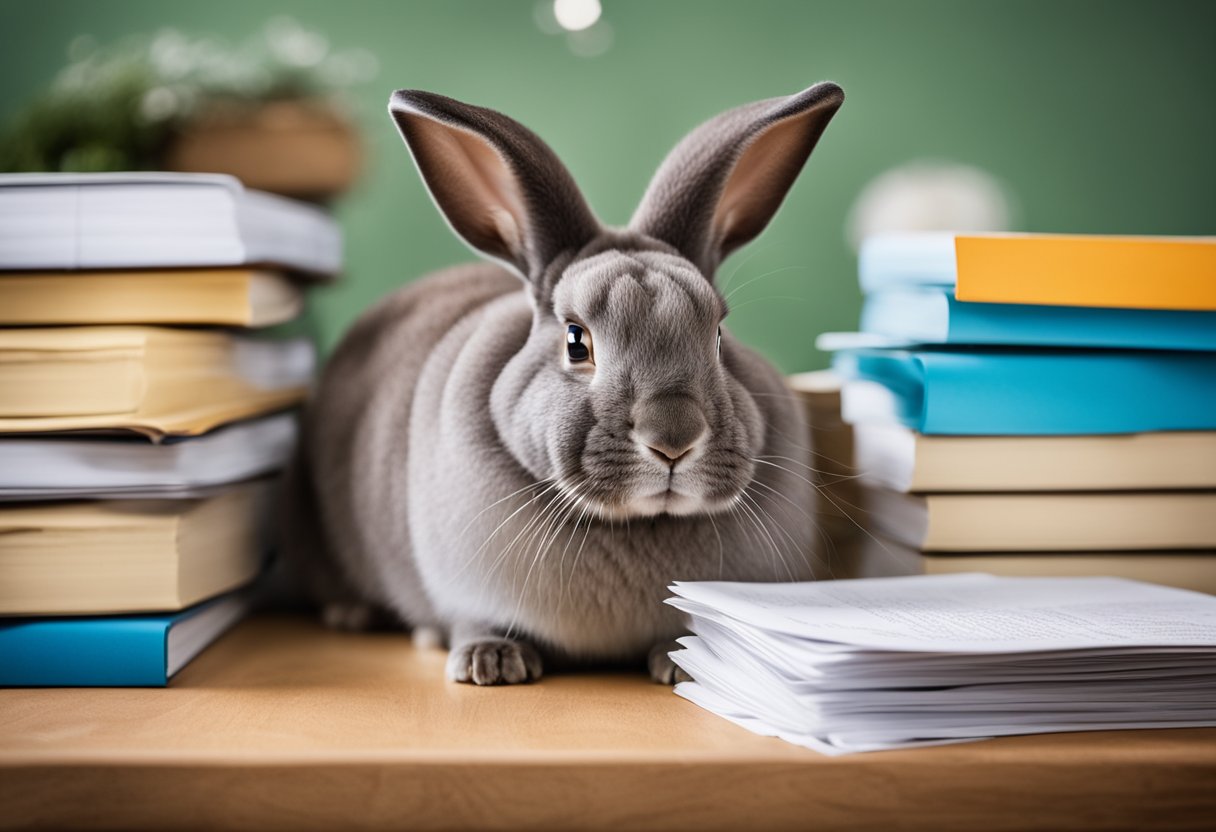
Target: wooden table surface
282,725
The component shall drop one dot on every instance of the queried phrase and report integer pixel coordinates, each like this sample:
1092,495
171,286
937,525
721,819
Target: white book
843,666
130,220
75,467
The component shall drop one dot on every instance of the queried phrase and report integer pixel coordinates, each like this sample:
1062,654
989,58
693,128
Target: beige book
904,460
226,297
873,557
126,556
152,380
1044,522
830,446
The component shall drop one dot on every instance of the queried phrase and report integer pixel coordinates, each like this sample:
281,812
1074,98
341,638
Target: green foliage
118,107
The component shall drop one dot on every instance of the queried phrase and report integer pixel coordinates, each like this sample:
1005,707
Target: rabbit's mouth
668,501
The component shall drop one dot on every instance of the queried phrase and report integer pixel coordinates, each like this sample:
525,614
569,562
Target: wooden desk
284,726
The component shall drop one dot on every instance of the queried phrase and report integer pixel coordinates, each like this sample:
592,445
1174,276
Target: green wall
1101,116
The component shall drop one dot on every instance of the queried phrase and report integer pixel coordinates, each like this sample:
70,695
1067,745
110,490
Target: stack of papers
862,665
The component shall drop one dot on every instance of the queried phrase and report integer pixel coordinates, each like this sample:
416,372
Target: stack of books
1035,405
140,423
865,665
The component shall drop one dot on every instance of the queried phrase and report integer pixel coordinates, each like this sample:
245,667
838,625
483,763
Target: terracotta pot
303,149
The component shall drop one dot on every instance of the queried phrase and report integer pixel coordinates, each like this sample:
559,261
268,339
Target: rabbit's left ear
501,188
722,184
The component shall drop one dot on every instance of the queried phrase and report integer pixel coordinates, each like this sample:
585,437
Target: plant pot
301,148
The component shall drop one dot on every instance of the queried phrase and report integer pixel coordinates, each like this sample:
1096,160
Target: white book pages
131,220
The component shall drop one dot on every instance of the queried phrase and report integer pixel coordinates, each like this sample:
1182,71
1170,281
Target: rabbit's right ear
501,188
722,184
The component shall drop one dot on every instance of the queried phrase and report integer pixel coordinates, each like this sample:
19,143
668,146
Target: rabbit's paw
662,669
494,661
351,618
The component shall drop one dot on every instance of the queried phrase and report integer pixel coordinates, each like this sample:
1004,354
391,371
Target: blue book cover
931,315
1041,392
111,651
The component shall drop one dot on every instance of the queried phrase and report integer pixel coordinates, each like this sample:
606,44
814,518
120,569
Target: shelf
282,725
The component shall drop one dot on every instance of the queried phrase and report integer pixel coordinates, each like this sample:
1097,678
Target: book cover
116,651
1040,392
1050,269
932,315
73,466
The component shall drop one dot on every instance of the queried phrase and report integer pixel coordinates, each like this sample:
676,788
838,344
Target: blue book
912,259
1041,392
111,651
931,315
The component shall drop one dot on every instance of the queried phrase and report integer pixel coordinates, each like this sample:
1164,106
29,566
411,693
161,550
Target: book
222,297
120,556
71,221
74,467
931,315
868,556
1049,269
114,651
895,457
1034,392
1080,521
150,380
880,663
830,442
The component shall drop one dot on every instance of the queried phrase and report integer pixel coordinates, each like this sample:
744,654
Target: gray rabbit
520,455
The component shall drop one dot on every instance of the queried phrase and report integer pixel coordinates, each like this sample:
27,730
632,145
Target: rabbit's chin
668,502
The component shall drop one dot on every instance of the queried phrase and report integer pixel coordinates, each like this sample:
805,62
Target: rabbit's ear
501,188
722,184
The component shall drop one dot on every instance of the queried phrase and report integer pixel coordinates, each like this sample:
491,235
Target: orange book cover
1080,270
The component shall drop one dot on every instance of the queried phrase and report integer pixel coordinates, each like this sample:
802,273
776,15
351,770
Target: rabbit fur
458,468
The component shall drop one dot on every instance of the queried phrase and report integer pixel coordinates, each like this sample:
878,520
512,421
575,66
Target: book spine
83,653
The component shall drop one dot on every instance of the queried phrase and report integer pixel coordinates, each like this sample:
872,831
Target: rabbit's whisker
752,280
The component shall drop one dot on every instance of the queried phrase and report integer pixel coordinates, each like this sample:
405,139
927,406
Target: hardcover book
1049,269
931,315
1028,392
116,651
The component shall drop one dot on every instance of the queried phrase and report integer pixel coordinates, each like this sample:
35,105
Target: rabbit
518,456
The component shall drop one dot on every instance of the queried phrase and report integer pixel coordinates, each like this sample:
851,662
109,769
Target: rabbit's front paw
494,661
662,669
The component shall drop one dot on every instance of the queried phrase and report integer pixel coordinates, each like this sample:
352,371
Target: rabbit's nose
669,427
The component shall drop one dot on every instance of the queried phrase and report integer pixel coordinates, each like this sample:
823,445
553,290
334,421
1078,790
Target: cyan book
111,651
931,315
1041,392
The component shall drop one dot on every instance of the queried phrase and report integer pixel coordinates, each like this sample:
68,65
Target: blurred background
1041,116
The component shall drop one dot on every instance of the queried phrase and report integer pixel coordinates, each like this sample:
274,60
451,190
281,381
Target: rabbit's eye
578,344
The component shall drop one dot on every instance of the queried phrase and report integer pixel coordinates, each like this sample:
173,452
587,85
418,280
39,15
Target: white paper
893,663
